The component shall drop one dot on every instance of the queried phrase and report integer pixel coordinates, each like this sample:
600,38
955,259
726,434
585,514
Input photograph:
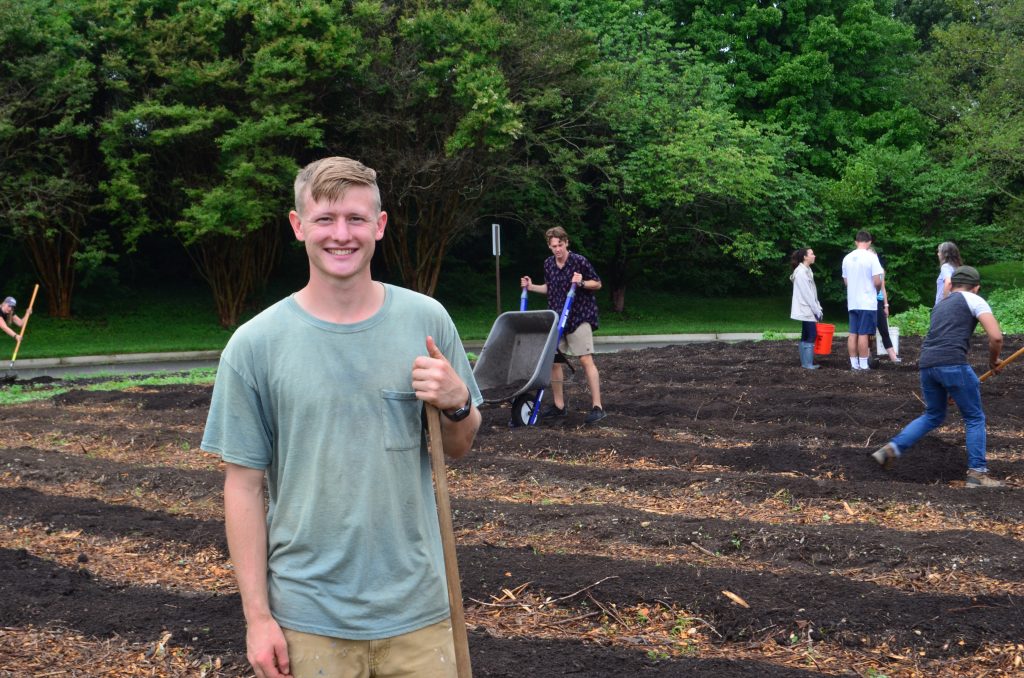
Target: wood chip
736,599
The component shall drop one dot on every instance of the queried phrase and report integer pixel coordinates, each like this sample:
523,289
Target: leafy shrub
912,321
1007,305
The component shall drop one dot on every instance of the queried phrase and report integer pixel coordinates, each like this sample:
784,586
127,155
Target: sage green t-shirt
328,410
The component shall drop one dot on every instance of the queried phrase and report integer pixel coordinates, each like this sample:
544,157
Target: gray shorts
580,342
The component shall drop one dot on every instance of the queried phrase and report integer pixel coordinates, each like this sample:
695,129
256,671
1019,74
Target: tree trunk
234,268
53,258
618,274
618,298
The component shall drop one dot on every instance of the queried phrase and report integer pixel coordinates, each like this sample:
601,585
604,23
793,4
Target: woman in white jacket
805,307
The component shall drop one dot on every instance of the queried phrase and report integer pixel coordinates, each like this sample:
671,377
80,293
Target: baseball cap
10,301
966,275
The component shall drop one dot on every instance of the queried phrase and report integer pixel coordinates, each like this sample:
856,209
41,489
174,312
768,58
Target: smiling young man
321,397
561,270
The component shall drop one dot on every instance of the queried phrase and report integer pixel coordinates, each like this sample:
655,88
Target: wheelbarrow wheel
522,408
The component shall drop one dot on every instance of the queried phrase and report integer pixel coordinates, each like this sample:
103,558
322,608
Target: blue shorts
863,322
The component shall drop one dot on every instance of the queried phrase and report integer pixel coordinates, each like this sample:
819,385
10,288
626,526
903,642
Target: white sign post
496,251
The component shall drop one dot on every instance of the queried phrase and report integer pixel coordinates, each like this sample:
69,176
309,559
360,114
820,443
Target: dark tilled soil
688,427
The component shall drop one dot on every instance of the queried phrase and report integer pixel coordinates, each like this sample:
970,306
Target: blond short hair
329,178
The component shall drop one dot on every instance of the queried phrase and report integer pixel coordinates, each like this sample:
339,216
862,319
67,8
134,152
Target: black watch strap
462,412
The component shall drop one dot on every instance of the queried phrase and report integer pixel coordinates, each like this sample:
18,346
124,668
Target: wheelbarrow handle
569,298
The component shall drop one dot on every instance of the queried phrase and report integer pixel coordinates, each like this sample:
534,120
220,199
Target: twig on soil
868,443
697,413
704,550
549,601
611,613
918,397
572,619
696,619
971,607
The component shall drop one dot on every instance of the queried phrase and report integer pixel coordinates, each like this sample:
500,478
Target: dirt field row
722,521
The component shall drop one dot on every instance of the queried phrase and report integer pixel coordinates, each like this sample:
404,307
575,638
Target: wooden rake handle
451,563
24,323
1002,364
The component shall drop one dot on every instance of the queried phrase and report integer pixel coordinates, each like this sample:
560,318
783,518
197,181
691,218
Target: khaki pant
426,653
580,342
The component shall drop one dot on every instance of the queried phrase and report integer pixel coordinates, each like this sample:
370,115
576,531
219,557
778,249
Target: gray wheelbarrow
515,361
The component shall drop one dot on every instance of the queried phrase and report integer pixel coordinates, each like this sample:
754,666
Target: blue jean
808,331
938,384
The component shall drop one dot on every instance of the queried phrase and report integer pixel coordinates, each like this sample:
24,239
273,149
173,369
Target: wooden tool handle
451,563
24,323
1002,364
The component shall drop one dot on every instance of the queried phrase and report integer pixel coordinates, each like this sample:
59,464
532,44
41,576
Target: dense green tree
681,172
472,113
972,84
223,109
49,93
837,75
715,132
828,70
926,15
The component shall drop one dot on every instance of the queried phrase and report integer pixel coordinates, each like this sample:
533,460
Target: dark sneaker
979,479
885,456
596,415
553,411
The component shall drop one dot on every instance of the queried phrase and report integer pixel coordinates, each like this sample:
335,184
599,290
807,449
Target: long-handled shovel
992,373
21,335
1002,364
451,563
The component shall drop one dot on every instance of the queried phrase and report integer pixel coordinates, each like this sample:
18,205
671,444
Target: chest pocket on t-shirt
401,414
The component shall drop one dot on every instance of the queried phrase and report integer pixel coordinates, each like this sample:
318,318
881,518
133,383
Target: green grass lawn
143,323
658,313
185,321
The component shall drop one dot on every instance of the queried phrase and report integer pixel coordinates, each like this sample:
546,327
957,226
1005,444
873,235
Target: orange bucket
823,342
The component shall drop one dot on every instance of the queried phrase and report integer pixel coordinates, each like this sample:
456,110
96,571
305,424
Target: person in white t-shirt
862,275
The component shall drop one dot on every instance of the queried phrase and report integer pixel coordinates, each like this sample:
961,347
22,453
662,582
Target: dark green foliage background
687,145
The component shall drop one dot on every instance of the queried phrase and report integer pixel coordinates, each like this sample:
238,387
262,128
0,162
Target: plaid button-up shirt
559,280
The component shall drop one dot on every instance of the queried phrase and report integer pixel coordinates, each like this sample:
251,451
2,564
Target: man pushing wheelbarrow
562,270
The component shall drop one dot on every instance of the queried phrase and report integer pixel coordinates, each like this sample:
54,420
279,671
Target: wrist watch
462,412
